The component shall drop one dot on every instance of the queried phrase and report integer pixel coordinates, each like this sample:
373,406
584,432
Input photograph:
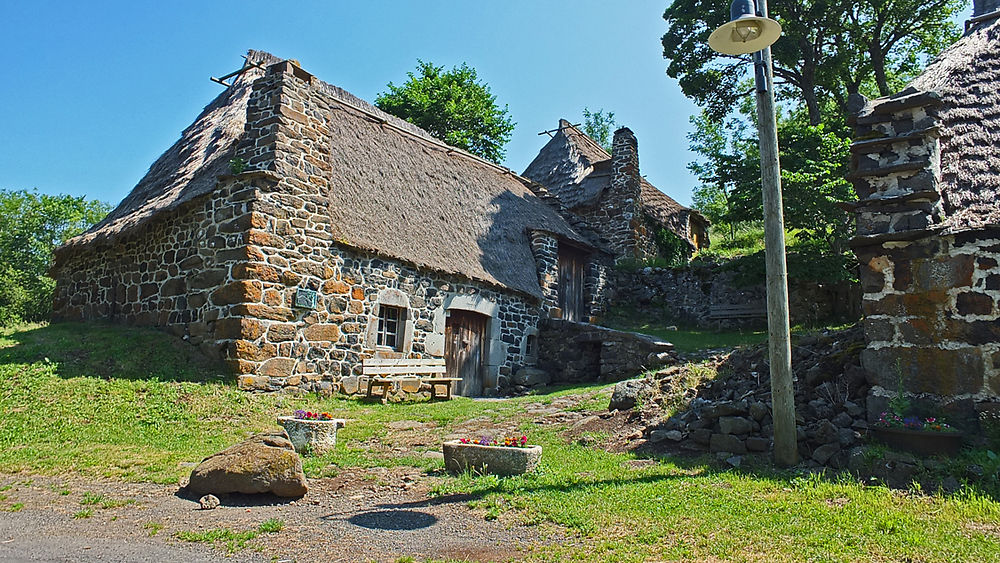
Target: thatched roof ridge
190,168
577,169
966,79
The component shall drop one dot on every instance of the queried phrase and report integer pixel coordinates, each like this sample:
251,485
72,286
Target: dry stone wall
686,296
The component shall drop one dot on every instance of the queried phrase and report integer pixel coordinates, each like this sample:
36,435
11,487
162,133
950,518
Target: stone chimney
981,7
622,203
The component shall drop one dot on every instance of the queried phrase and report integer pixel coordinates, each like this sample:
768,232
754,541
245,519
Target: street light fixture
751,31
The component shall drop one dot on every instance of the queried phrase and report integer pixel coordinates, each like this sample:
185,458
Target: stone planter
920,442
315,437
496,460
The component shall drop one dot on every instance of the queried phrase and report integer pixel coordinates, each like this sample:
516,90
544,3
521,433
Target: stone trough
495,460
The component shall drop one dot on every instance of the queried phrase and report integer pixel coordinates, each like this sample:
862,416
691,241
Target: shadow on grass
109,351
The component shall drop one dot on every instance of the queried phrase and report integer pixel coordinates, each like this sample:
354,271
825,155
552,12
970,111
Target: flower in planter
930,424
506,441
309,415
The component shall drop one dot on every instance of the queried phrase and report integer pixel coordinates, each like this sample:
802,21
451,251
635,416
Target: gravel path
373,514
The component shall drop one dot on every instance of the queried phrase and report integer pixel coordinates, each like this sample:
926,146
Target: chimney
622,203
983,7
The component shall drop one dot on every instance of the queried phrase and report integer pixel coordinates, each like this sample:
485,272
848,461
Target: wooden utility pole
779,338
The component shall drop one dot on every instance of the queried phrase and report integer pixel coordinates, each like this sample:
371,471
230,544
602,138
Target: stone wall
174,272
931,310
686,296
321,348
931,296
574,352
545,249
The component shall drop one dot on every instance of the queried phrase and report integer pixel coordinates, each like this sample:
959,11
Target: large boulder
266,463
628,394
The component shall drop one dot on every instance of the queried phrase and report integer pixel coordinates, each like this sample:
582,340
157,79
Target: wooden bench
386,373
722,312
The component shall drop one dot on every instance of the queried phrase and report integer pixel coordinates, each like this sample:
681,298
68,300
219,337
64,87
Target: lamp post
751,31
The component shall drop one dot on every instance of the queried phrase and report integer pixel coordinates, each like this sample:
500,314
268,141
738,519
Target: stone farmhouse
607,192
926,168
296,230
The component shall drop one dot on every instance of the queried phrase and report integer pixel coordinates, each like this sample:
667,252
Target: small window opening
530,346
390,322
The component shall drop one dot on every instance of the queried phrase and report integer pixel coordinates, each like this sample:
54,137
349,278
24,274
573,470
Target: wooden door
465,351
572,268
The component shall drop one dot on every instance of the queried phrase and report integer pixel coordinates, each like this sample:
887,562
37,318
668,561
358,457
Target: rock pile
731,414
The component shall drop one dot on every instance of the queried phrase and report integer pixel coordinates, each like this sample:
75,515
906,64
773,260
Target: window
389,331
530,345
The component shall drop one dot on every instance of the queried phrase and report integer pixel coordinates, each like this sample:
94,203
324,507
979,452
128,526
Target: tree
829,49
452,106
599,126
31,226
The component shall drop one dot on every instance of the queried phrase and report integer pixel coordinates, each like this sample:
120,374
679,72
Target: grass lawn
135,405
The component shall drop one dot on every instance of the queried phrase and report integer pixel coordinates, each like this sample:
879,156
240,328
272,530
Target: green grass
233,541
152,528
135,425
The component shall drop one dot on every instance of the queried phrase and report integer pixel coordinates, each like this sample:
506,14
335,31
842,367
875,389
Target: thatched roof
576,169
966,76
191,166
394,190
411,197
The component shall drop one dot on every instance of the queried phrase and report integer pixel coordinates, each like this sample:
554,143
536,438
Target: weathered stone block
237,292
277,367
264,312
238,328
926,369
974,304
944,274
879,329
281,332
336,286
255,271
727,443
176,286
208,279
322,333
246,350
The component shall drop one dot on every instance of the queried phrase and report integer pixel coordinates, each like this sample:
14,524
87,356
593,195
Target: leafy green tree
452,105
599,126
31,226
828,50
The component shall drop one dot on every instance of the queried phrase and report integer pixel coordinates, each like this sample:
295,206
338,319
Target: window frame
383,333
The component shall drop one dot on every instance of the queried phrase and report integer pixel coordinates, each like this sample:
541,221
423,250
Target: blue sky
92,92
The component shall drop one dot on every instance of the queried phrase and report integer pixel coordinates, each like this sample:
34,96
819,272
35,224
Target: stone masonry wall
931,298
545,249
687,295
173,272
931,310
282,346
574,352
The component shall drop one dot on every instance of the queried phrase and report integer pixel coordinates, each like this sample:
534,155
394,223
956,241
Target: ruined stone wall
686,296
283,346
174,272
575,352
